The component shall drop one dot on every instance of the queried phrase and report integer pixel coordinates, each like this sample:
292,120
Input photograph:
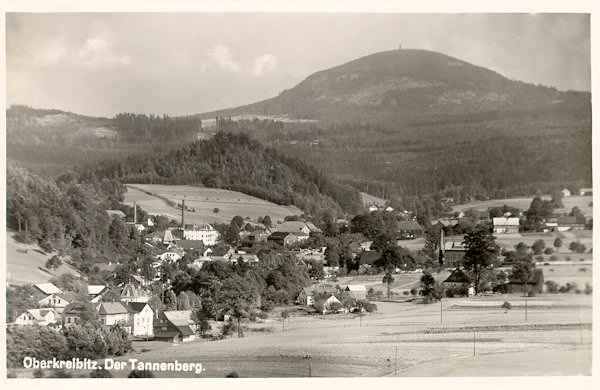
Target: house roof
129,290
47,288
96,289
369,257
201,227
454,246
118,213
179,317
136,307
39,314
185,330
457,276
190,244
68,296
279,235
107,308
571,220
504,221
409,225
295,227
356,288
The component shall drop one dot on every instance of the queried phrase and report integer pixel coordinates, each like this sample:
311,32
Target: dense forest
530,153
239,163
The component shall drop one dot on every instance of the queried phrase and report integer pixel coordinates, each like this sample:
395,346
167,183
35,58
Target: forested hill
240,163
408,85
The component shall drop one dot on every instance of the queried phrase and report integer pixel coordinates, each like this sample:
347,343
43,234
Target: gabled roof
457,276
129,290
47,288
279,235
356,288
295,227
179,317
68,296
107,308
504,221
39,314
96,289
185,330
409,225
369,257
135,307
454,246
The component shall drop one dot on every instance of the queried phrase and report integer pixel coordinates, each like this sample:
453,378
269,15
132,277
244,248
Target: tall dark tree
480,256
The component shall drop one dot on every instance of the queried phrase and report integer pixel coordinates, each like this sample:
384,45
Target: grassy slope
204,200
29,267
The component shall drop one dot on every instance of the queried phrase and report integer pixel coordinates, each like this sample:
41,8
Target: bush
530,294
216,210
548,251
267,306
140,374
588,289
263,315
506,305
553,258
551,286
232,374
405,292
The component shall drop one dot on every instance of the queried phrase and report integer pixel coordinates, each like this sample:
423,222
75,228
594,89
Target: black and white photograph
313,192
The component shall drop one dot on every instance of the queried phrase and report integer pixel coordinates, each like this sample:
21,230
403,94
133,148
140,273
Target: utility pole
525,309
309,371
441,310
473,343
396,361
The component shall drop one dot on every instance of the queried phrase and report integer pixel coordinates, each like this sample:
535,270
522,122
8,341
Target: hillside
26,263
239,163
407,84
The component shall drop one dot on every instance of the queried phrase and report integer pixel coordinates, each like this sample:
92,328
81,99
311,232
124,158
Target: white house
585,191
96,291
205,233
565,192
169,256
328,305
42,317
306,296
141,319
113,313
506,225
356,291
57,301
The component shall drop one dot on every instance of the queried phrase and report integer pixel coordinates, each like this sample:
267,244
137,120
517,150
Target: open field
555,340
26,263
150,197
369,199
523,203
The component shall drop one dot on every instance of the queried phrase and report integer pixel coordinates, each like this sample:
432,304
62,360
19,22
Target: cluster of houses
131,311
308,295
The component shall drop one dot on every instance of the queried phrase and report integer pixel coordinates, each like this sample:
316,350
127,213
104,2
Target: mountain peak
405,82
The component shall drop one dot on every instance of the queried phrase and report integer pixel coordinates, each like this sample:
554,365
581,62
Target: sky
102,64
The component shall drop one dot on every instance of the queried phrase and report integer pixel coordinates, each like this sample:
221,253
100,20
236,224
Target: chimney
134,212
183,214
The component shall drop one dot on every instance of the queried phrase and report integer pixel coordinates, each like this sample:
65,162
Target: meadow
583,202
201,203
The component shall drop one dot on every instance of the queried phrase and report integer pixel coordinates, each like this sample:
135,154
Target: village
369,282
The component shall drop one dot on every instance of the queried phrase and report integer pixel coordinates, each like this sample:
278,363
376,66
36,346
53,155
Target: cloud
97,53
267,62
221,55
223,58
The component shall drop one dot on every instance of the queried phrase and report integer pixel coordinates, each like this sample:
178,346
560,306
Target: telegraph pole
396,362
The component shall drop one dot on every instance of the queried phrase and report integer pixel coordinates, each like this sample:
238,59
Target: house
570,223
42,317
155,237
503,225
170,256
356,291
330,302
302,229
454,253
534,284
565,192
204,232
47,288
258,235
409,230
113,313
367,258
115,213
307,294
141,318
373,208
138,227
96,291
189,245
200,261
284,238
365,245
174,326
458,279
243,257
131,293
58,302
586,191
73,313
